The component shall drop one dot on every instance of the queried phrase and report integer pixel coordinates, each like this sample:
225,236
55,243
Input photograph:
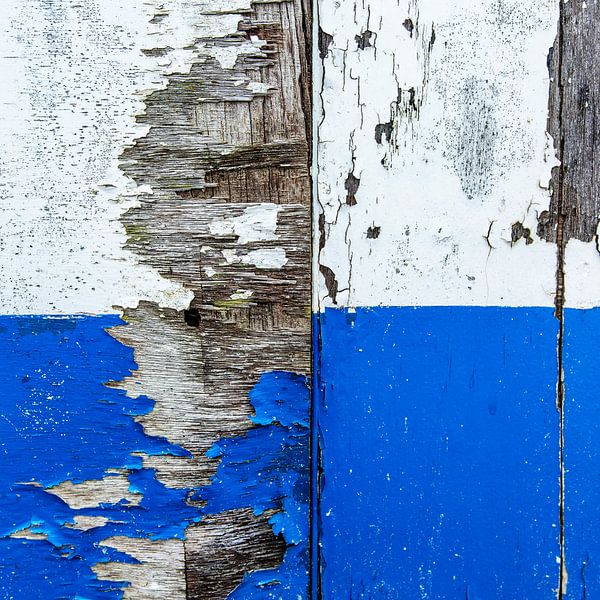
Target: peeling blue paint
59,422
440,453
268,469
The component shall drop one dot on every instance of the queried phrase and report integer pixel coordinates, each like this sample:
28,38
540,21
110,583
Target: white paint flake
257,223
241,295
263,258
582,274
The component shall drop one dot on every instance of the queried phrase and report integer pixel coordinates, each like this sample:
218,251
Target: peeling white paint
468,155
265,258
74,78
228,55
242,295
582,274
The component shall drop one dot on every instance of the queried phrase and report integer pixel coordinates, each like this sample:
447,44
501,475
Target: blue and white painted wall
444,420
155,306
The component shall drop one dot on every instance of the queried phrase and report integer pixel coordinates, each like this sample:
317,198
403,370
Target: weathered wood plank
572,222
573,124
439,432
167,152
229,219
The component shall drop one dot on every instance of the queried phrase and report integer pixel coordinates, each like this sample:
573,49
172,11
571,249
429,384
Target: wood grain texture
225,547
226,157
156,166
574,125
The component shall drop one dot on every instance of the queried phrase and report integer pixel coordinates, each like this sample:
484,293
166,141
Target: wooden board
157,230
458,216
572,222
158,177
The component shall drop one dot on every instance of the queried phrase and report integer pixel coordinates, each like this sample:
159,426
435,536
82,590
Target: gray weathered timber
574,123
215,150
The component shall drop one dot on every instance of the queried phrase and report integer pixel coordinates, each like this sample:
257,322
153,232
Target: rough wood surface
227,159
155,184
444,182
224,548
571,222
574,125
173,185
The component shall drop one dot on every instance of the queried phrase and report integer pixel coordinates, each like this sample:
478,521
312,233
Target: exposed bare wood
574,124
227,159
152,577
574,214
223,547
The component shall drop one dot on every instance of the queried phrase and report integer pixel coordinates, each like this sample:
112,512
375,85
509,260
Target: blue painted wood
439,436
267,469
59,422
581,368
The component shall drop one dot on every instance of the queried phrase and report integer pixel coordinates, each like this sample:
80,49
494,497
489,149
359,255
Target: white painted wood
467,158
74,77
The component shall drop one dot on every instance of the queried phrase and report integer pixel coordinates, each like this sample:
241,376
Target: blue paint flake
268,469
60,422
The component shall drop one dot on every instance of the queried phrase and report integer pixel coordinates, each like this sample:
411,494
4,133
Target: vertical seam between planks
311,14
317,80
559,305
